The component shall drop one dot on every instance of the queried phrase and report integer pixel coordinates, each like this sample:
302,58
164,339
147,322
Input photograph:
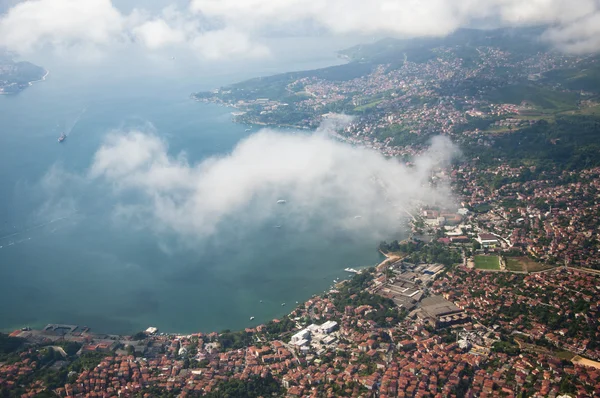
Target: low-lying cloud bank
319,178
98,25
232,28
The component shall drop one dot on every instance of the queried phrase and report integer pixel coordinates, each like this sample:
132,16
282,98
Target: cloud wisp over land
216,29
347,187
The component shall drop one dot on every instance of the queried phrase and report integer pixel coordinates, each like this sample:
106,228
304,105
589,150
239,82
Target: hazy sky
217,29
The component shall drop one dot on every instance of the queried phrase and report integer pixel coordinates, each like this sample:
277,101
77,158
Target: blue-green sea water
65,259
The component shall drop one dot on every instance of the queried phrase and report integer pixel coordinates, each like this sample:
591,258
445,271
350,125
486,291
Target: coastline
237,112
271,124
342,281
40,80
29,84
388,259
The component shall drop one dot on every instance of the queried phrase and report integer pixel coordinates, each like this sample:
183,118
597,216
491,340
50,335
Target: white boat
261,301
357,217
281,202
282,304
251,318
351,270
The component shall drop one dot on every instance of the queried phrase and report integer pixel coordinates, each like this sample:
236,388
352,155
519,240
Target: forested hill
519,41
392,52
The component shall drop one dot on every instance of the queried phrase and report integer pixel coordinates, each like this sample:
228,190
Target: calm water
64,256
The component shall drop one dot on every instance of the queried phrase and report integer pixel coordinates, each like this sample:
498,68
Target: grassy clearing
532,266
501,130
576,79
513,264
525,264
535,267
482,208
548,118
567,355
487,262
590,111
544,99
367,106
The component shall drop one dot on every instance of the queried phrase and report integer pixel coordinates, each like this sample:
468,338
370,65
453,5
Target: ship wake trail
70,126
15,237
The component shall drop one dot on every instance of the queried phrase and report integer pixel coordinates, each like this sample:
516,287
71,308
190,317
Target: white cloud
157,34
225,28
227,43
35,23
412,17
311,172
174,27
91,25
580,37
545,11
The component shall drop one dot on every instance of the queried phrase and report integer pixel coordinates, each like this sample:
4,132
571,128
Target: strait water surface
64,258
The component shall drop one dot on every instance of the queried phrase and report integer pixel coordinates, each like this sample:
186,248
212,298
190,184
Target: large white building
151,330
328,327
301,338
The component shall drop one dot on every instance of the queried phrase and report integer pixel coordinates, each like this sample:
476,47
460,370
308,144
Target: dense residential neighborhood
349,342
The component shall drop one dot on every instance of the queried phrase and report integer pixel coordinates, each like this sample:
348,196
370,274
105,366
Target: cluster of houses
551,219
560,306
342,353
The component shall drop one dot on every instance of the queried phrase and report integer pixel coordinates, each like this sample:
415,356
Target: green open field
487,262
513,264
590,111
367,106
576,78
544,99
525,264
567,355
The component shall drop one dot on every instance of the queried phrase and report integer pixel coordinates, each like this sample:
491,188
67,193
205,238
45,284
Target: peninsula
16,76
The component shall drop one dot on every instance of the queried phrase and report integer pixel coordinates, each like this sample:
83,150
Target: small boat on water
351,270
62,137
281,202
251,318
261,301
282,304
